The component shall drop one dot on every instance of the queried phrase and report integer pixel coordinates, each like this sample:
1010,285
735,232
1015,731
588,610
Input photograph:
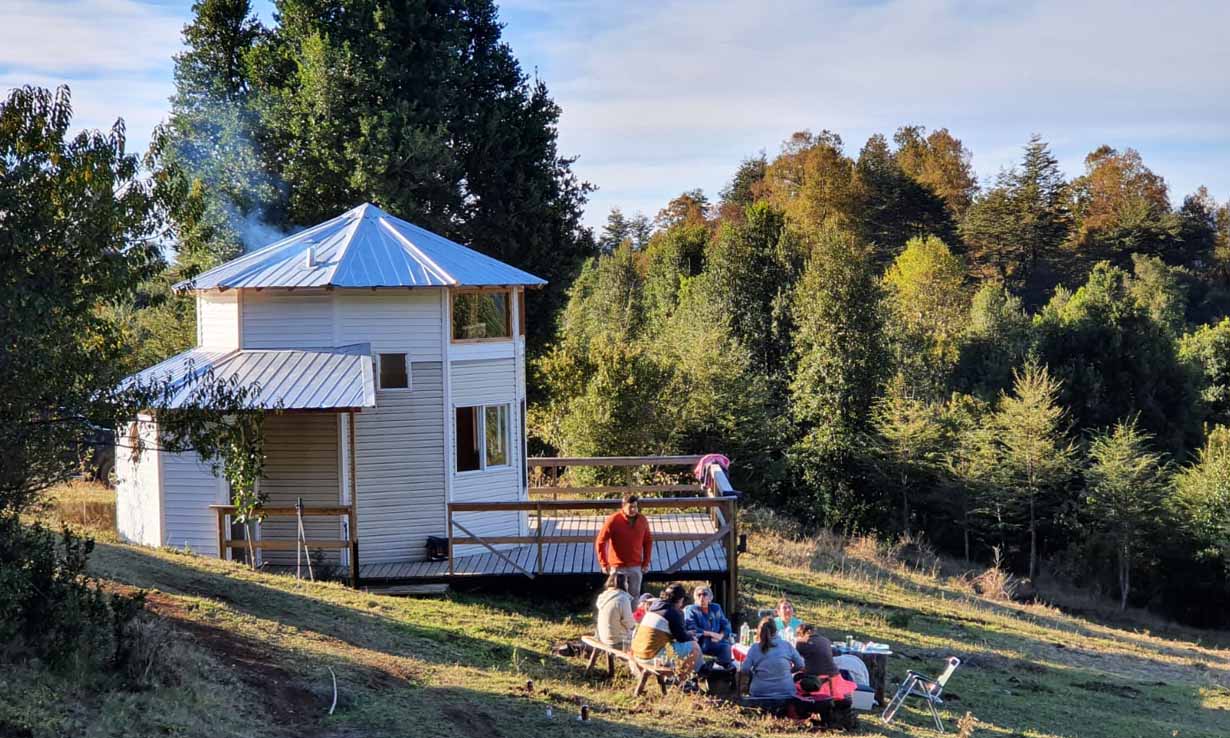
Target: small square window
393,372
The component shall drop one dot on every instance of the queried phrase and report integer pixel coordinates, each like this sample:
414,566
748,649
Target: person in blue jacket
709,625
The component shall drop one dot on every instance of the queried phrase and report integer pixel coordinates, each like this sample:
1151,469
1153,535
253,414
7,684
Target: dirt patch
1122,690
472,722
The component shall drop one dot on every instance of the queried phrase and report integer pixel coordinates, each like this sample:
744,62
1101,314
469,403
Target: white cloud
115,55
685,79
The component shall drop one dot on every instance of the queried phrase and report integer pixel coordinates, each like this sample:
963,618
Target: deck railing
551,465
350,543
720,503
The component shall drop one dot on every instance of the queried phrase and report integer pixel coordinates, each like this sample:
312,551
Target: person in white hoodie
615,622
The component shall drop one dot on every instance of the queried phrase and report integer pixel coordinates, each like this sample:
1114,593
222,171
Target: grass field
239,653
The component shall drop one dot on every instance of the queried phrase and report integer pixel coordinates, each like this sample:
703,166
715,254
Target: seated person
768,665
785,616
709,626
819,675
642,604
663,628
615,623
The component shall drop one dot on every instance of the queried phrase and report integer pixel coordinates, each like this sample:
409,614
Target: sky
663,97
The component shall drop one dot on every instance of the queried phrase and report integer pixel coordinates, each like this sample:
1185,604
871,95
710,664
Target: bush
51,609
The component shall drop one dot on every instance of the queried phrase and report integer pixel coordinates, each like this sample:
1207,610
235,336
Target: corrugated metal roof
363,247
289,379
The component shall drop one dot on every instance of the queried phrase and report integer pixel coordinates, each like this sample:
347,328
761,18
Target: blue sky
661,97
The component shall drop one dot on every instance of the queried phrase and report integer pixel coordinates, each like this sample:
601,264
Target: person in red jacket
624,544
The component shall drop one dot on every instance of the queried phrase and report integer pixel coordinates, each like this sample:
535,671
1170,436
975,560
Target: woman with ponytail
769,663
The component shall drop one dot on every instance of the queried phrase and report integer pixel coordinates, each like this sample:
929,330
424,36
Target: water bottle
745,635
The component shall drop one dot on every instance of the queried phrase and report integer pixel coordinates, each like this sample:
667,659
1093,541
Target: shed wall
189,487
488,382
301,460
399,468
217,320
279,319
138,490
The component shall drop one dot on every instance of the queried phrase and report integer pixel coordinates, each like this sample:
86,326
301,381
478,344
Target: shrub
50,608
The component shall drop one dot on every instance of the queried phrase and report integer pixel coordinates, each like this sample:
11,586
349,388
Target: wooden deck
564,558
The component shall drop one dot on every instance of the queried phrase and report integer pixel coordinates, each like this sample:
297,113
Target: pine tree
1035,456
1125,490
1039,194
910,440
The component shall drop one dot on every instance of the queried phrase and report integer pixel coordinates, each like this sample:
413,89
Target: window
394,373
479,315
482,437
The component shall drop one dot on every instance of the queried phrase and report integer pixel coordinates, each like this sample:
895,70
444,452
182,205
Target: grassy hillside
237,653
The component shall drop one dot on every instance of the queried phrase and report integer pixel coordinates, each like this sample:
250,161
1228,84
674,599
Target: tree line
1035,366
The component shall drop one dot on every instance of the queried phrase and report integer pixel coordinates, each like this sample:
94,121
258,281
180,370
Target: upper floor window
481,315
394,372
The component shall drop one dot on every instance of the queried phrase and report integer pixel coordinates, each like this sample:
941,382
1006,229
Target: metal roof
287,379
363,247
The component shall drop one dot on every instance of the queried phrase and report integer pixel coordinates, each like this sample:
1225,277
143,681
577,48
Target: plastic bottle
745,634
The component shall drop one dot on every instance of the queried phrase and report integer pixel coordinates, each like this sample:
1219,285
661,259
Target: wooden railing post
732,556
450,539
538,538
354,563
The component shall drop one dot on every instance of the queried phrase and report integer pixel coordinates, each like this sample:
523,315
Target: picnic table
876,660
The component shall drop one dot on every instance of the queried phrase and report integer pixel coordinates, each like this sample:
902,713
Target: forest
1032,368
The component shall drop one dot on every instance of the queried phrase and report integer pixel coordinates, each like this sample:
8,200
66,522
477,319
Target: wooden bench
597,647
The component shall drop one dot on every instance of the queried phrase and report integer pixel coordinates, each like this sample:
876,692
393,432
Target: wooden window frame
482,435
409,374
508,292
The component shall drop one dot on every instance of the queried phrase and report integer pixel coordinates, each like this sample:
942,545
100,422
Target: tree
690,208
744,188
76,235
1035,455
1121,207
971,465
813,182
998,338
910,441
620,228
928,301
991,231
892,207
1206,352
939,162
840,366
1125,491
1202,494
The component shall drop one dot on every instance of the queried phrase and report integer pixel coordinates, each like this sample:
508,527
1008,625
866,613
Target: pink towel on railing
705,461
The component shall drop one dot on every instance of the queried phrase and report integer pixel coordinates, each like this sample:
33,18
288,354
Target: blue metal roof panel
363,247
288,379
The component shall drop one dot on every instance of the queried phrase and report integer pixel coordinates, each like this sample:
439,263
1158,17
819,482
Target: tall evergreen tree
892,207
1035,455
1125,493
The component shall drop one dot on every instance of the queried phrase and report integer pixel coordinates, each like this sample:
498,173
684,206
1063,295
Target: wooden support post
732,556
221,533
353,513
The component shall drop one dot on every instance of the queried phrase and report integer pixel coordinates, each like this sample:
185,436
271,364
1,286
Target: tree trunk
247,529
1125,574
1033,539
905,505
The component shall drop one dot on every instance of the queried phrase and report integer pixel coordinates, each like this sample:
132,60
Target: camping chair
917,685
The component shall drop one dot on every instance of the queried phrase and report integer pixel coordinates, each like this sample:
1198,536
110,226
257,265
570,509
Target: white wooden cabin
364,322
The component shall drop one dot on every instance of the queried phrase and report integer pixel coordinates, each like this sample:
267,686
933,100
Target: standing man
625,544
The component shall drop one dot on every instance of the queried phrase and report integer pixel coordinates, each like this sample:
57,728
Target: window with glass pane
480,315
393,374
496,428
468,451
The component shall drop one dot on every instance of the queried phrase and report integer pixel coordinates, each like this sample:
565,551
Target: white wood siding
301,460
394,322
487,382
138,490
217,319
280,319
189,487
399,469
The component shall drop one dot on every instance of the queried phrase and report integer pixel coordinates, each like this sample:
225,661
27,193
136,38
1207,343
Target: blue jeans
719,650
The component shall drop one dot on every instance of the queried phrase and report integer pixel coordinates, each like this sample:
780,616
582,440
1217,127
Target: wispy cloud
115,55
693,82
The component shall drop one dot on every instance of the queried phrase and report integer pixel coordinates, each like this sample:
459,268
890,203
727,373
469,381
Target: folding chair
917,685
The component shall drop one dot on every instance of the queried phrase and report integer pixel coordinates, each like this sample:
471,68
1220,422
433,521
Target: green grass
240,653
